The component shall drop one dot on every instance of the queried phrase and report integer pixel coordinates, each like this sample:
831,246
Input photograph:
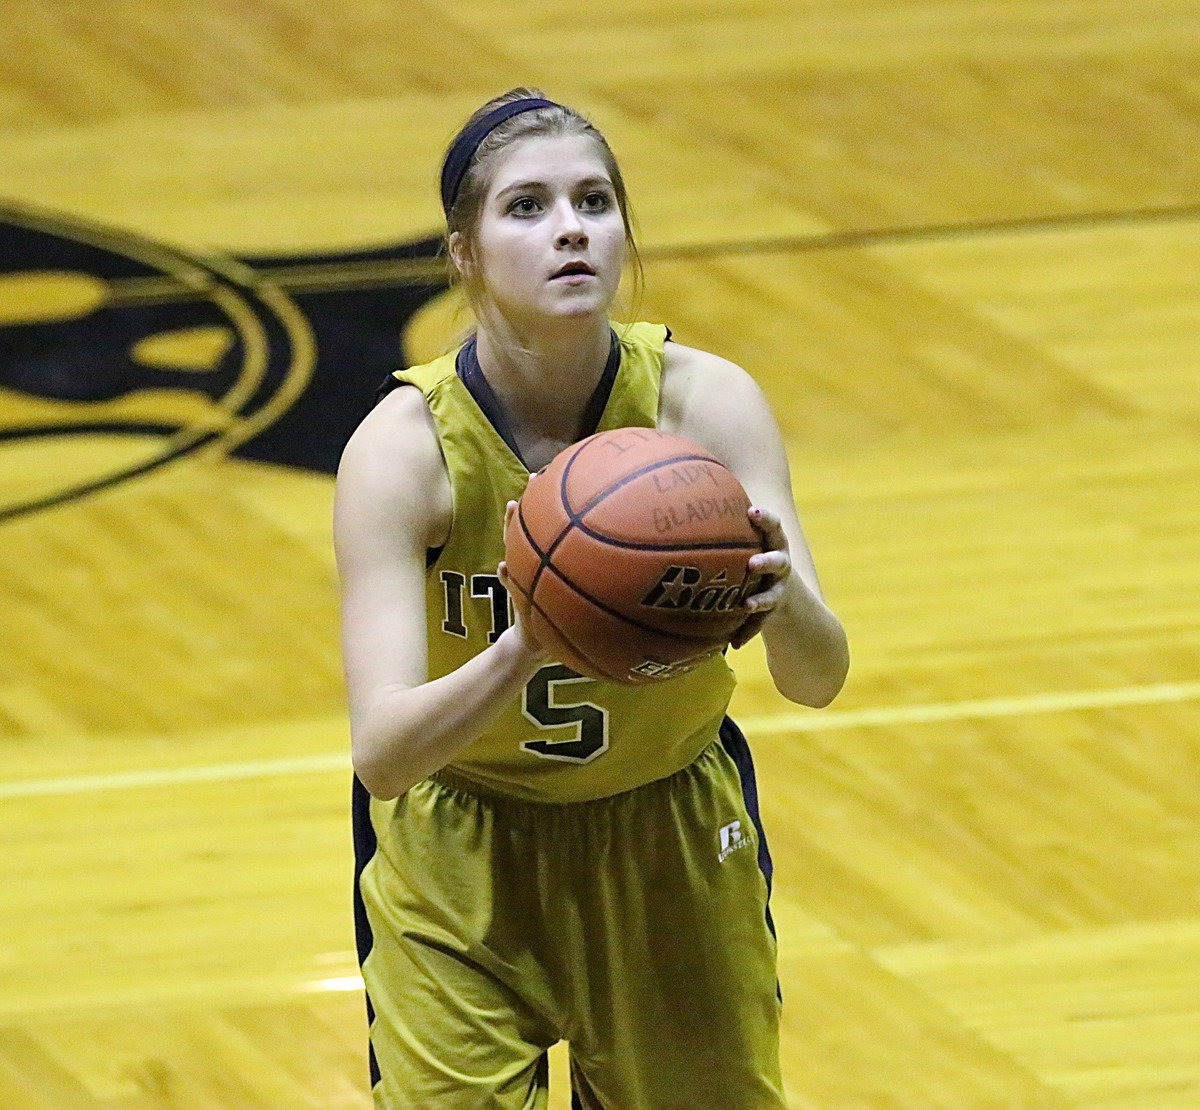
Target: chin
581,309
586,301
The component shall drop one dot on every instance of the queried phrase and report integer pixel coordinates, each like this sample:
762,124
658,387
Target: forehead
555,160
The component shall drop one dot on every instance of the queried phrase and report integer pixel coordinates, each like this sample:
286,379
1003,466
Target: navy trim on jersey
472,376
365,846
604,387
467,366
734,742
388,384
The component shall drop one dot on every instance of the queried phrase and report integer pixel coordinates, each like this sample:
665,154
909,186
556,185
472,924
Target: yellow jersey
566,738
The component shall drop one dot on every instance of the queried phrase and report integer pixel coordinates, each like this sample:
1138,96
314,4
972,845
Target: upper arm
391,504
718,405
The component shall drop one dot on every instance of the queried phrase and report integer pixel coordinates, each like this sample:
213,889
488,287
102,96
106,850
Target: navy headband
462,150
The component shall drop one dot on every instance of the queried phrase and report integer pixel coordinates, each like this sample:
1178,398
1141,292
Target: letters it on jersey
454,587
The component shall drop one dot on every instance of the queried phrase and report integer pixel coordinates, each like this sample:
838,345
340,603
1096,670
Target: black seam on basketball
707,641
574,519
612,541
525,528
545,562
528,595
649,468
543,556
574,646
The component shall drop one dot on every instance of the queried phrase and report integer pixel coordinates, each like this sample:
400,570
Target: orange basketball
627,555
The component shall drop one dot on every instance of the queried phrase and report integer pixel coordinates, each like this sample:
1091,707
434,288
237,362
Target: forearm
807,652
407,734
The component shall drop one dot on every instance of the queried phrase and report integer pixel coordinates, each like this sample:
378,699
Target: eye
596,202
524,206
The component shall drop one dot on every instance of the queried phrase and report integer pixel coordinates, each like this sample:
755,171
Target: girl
542,856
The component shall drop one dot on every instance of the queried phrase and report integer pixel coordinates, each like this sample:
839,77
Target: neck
544,380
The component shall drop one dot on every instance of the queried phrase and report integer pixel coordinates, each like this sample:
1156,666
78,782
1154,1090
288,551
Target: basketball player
542,856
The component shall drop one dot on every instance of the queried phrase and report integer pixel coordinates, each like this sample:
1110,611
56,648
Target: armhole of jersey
661,369
389,385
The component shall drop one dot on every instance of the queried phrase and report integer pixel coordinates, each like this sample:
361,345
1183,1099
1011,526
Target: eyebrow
585,183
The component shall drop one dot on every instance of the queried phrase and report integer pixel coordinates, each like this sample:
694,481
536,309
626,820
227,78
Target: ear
460,253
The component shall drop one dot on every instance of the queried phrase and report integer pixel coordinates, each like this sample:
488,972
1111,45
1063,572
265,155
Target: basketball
627,556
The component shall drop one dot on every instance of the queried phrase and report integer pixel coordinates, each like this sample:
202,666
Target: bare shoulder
400,423
392,471
708,398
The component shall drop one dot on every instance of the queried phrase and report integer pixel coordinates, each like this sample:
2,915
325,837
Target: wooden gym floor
957,241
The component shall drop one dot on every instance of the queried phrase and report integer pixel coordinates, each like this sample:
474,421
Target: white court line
1024,705
810,721
173,776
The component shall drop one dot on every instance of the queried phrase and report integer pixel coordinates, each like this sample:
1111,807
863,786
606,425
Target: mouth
573,269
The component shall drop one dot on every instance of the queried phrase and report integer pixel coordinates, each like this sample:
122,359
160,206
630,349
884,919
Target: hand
520,627
502,569
774,566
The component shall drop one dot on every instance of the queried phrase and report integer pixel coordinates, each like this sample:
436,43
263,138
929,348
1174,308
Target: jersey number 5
588,722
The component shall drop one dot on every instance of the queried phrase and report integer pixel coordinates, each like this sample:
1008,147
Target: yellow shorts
636,927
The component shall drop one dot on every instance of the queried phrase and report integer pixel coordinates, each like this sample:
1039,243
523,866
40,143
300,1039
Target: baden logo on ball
628,555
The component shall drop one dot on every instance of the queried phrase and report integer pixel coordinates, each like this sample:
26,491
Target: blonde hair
464,213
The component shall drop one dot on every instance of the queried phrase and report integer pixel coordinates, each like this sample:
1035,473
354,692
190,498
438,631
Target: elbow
378,785
834,677
818,697
379,743
815,692
382,778
816,685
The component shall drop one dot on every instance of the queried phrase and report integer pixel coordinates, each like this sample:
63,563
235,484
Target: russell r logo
732,839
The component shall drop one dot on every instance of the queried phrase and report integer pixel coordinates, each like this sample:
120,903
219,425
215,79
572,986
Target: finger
748,630
766,600
763,518
757,588
775,563
769,526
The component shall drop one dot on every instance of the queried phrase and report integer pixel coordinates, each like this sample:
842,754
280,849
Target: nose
571,232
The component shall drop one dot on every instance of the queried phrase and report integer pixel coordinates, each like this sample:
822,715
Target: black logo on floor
104,333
